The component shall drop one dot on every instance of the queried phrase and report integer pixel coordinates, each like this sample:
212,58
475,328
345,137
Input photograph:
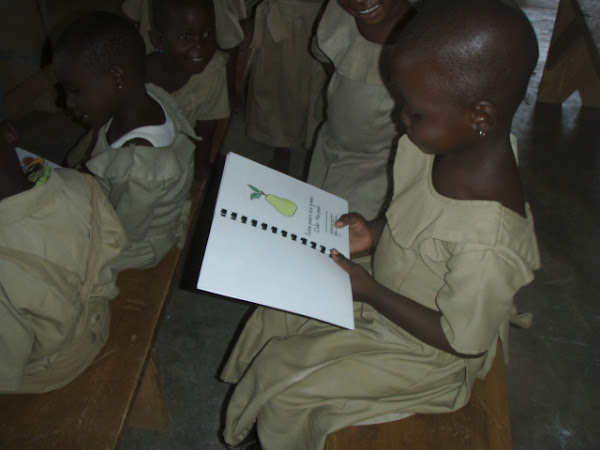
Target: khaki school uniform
149,187
228,14
353,152
204,96
57,242
285,80
301,379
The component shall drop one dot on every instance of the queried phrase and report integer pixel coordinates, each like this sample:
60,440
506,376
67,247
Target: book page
270,241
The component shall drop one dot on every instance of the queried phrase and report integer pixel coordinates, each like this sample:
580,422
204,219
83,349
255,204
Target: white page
267,266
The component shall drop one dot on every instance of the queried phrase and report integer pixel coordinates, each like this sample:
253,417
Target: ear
118,77
484,116
157,39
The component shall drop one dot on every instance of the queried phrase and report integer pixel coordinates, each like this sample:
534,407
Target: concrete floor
552,377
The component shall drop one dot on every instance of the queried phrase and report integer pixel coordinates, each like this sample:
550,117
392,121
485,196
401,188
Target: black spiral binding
274,230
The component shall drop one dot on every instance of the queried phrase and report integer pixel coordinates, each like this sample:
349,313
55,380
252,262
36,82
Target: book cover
270,241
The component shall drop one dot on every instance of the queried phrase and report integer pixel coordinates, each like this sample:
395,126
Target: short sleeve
216,103
228,14
478,295
205,97
135,203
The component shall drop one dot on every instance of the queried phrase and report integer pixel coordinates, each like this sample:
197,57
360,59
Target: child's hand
362,282
8,135
360,234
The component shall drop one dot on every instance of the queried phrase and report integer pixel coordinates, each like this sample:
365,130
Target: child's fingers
341,260
347,219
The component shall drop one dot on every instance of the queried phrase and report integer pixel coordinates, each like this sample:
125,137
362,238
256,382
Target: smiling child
189,66
353,150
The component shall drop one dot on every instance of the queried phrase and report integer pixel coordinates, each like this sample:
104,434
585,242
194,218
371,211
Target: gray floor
552,377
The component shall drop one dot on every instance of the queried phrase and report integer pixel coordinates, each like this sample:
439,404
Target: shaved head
477,50
101,40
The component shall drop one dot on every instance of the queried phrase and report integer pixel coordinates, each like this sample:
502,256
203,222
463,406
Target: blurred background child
285,82
144,153
188,65
353,151
228,14
58,238
455,246
229,31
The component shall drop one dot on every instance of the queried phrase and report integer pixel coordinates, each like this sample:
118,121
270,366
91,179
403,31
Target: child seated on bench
188,65
58,237
456,244
144,153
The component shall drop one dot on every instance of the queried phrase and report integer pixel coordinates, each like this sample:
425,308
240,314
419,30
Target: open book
270,241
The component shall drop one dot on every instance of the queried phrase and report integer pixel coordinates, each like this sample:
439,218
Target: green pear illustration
283,205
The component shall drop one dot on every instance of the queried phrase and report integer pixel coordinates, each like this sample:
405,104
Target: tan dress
149,188
204,96
228,14
285,79
301,379
57,242
353,152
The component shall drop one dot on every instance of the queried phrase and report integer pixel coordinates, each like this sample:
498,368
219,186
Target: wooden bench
121,388
573,62
482,424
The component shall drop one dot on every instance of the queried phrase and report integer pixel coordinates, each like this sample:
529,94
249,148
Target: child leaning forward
144,154
58,239
455,246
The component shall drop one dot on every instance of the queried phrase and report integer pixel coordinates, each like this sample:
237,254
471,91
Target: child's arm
206,130
422,322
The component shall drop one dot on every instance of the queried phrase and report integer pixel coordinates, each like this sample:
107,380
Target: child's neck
138,110
12,178
487,172
384,32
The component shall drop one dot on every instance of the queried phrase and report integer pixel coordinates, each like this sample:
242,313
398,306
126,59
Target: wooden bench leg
149,410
